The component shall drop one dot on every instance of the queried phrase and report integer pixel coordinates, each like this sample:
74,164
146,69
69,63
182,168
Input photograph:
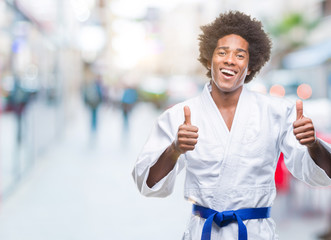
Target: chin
224,87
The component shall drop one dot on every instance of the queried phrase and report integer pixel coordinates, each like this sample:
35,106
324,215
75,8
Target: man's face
229,64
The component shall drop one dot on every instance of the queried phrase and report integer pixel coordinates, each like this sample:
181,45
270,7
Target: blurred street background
82,82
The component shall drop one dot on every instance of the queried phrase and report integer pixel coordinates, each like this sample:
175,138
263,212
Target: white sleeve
162,135
297,158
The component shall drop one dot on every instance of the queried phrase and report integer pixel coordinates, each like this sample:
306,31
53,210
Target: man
229,139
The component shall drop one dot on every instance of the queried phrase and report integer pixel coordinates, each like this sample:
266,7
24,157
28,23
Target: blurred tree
290,33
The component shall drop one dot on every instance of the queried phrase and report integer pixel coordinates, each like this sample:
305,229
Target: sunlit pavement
82,189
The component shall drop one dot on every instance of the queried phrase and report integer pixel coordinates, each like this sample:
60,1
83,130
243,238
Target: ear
248,72
208,65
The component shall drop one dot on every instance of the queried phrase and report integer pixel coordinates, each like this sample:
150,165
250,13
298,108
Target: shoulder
273,104
178,109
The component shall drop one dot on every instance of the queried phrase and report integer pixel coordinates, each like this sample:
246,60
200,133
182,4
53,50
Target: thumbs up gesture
303,127
187,135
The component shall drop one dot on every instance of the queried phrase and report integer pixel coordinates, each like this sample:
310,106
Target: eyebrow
238,49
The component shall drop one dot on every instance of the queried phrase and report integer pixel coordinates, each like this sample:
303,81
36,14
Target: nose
229,59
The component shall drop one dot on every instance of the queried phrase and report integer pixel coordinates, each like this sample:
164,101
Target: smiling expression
229,63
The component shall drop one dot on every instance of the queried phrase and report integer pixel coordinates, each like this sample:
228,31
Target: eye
240,56
222,53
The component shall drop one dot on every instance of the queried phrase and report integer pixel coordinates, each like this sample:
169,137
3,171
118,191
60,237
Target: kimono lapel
241,117
215,119
230,140
222,133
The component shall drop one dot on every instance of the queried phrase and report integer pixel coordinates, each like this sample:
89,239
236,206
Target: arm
163,166
320,156
186,140
304,131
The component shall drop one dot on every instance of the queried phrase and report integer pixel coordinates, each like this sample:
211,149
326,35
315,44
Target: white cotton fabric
230,170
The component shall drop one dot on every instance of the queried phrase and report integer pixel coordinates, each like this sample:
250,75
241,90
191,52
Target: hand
187,135
303,127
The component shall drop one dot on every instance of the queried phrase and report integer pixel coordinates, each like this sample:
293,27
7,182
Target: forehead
233,41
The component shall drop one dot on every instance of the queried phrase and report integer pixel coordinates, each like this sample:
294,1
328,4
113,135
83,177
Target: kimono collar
242,110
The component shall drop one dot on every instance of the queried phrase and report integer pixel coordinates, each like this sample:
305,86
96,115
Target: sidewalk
82,189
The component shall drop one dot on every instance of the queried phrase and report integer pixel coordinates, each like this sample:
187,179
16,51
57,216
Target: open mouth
228,72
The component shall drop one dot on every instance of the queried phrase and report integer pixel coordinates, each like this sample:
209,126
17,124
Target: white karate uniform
230,170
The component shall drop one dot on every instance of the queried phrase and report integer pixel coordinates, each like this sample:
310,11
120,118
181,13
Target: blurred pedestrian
18,99
93,97
129,99
229,139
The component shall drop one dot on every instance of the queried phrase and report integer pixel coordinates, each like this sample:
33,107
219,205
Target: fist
303,127
187,135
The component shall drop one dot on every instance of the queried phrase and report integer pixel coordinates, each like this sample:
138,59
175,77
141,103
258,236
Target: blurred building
43,49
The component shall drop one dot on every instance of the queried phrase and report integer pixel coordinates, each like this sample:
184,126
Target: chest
243,154
228,116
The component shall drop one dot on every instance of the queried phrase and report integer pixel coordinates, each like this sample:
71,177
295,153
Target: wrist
175,149
314,145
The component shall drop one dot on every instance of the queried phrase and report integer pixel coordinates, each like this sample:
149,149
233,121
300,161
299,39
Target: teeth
228,72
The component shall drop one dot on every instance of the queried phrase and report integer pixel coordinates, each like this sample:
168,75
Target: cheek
213,69
244,70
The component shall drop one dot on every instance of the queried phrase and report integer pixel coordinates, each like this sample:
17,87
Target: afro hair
238,23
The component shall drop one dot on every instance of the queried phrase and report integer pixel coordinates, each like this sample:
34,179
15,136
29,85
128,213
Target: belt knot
226,217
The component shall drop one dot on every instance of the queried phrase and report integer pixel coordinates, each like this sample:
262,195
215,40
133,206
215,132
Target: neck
225,99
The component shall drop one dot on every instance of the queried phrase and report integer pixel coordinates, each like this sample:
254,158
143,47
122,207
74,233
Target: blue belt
224,218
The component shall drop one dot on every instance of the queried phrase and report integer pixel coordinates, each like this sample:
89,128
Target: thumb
299,106
187,115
